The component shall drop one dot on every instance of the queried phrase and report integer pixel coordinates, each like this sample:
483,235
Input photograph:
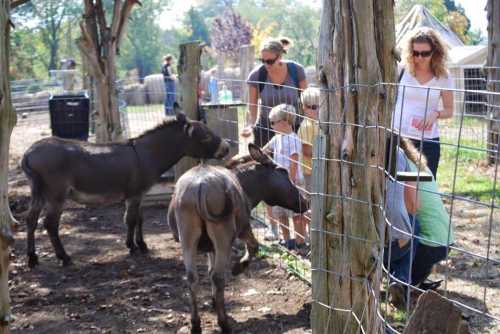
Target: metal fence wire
469,273
466,185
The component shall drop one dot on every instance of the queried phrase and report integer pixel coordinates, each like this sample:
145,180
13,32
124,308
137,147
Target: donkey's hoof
239,267
225,327
196,329
66,262
32,261
143,247
133,250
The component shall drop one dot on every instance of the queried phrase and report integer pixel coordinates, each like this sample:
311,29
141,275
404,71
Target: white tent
419,16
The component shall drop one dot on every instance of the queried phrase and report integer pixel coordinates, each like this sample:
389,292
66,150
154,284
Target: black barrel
69,116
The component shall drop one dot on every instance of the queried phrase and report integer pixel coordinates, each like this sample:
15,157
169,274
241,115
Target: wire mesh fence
468,271
466,185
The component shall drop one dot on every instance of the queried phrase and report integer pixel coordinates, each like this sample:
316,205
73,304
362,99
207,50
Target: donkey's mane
166,123
237,164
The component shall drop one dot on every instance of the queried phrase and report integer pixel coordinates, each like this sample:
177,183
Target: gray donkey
211,207
88,173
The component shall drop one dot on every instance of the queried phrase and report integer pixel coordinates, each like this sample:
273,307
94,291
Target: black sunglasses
424,54
313,107
274,122
269,61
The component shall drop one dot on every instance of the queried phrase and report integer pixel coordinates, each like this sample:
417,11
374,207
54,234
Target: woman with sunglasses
275,82
424,97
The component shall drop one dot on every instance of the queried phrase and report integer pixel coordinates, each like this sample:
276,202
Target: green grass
468,122
471,180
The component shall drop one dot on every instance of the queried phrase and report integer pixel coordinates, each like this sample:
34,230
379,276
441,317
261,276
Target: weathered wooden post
188,68
247,61
8,120
493,65
355,52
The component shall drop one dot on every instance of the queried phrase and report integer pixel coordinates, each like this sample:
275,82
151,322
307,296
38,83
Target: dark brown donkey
211,207
88,173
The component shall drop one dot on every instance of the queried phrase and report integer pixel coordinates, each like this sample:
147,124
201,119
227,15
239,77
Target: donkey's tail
204,207
37,198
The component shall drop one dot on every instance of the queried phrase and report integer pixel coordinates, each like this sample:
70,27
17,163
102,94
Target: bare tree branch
118,30
87,46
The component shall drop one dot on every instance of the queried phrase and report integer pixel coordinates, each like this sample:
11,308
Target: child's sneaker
291,244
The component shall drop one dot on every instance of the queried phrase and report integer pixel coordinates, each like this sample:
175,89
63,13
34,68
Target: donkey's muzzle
222,150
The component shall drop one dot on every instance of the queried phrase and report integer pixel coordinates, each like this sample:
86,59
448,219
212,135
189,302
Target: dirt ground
109,291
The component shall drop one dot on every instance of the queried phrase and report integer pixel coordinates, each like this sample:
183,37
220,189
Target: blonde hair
310,96
286,42
413,154
274,46
439,51
283,112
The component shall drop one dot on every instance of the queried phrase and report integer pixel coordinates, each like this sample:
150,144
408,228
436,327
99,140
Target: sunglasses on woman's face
273,123
312,107
269,61
424,54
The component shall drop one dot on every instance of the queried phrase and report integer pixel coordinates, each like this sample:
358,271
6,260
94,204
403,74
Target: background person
287,150
308,130
274,82
424,57
435,233
169,81
400,203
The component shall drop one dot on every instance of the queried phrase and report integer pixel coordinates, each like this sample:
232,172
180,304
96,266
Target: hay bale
135,94
155,88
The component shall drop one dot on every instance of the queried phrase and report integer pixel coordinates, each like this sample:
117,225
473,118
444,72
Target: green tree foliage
291,18
47,18
195,25
24,55
213,8
436,7
143,48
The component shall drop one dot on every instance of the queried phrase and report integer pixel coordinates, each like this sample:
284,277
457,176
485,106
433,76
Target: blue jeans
402,257
432,151
169,97
425,258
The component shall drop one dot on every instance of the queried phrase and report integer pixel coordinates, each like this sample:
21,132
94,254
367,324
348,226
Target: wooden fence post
247,60
355,54
189,68
493,84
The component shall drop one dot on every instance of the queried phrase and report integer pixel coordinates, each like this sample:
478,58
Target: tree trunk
7,122
355,54
493,62
99,46
188,68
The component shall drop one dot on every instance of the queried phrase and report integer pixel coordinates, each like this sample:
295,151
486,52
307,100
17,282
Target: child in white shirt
287,151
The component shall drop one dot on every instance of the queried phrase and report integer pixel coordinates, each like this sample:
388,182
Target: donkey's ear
258,155
181,117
